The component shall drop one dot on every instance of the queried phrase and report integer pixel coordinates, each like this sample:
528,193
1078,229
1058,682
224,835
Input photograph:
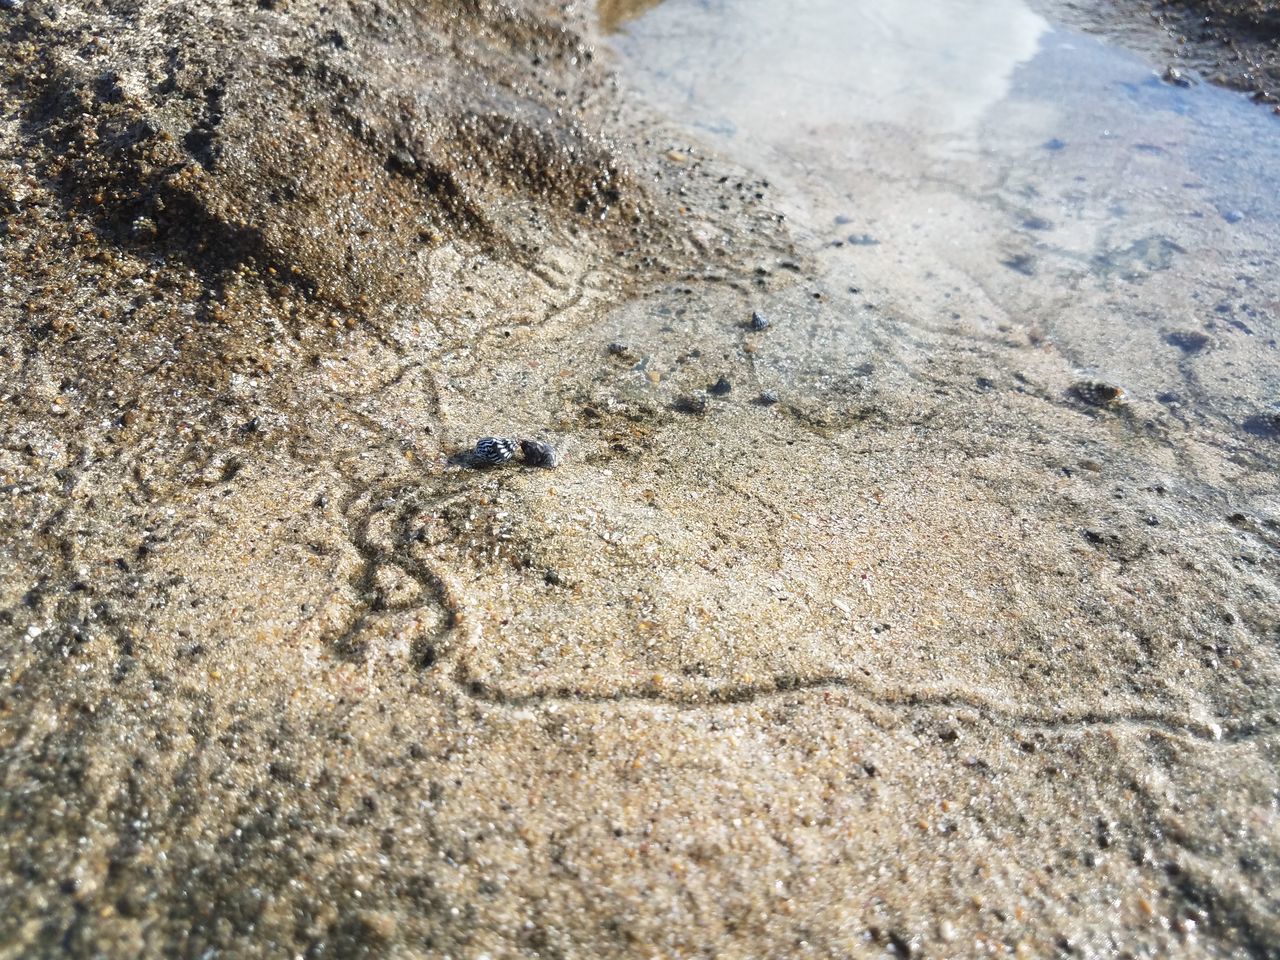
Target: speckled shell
1099,393
759,321
539,453
494,450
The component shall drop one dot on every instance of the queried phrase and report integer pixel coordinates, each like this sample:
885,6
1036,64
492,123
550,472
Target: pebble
1188,341
494,450
1265,425
539,453
1022,263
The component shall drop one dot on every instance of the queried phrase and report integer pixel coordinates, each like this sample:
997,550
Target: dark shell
759,321
1099,393
720,387
768,398
695,403
539,453
494,450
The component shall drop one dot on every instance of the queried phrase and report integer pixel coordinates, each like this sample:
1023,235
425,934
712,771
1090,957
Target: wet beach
905,583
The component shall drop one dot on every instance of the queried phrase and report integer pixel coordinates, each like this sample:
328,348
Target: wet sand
912,640
1228,42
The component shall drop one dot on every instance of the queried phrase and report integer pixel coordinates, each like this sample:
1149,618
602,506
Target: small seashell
767,398
695,403
402,161
759,321
493,451
619,349
1099,393
720,387
539,453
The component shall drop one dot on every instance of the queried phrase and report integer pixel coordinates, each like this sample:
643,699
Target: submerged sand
941,653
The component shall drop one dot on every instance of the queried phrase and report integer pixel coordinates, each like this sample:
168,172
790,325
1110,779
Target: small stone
492,451
759,321
721,387
1265,425
539,453
1232,216
1188,341
1021,263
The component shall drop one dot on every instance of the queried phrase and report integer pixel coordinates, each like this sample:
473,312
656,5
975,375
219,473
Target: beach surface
938,615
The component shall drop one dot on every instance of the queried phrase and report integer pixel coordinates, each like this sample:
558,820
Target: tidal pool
973,167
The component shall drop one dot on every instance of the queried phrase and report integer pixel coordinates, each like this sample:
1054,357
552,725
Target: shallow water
969,166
